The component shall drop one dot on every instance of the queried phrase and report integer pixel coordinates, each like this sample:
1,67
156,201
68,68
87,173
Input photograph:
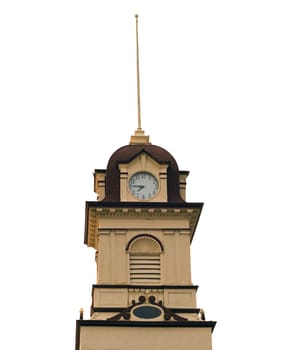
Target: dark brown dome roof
125,154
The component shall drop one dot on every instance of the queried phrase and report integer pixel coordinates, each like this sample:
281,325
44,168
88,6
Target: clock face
143,185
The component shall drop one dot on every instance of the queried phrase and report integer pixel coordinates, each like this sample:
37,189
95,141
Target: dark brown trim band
102,323
143,286
119,309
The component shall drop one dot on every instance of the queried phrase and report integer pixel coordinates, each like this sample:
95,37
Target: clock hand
140,187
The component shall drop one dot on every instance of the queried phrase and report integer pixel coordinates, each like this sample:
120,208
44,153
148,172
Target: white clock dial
143,185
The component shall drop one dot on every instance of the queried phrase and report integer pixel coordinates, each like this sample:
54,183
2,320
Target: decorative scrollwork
126,313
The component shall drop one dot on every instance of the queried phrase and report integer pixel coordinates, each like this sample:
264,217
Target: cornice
102,204
137,210
102,323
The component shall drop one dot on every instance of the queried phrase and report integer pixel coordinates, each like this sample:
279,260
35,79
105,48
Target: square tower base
130,335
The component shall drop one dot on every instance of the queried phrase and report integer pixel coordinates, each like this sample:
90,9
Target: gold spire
138,74
139,136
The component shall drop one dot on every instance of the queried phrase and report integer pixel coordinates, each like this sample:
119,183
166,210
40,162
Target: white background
222,87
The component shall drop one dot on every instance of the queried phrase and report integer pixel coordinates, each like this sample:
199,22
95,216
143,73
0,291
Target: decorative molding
157,211
103,323
154,239
145,287
175,310
126,313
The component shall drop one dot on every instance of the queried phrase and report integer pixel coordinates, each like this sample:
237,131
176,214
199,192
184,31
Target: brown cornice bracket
168,314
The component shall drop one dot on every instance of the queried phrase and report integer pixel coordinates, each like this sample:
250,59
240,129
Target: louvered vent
144,268
144,260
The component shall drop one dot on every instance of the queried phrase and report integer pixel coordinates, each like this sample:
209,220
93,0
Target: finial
81,313
139,137
202,316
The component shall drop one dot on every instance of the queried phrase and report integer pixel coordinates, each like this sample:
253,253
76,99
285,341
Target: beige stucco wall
148,338
123,297
112,262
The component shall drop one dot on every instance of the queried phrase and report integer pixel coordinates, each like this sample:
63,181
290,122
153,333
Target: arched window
144,260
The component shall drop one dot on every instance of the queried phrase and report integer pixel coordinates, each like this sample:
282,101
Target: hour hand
140,187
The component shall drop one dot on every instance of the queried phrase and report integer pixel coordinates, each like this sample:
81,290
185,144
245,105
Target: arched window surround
144,259
143,235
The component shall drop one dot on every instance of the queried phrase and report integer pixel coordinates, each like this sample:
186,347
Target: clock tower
141,228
